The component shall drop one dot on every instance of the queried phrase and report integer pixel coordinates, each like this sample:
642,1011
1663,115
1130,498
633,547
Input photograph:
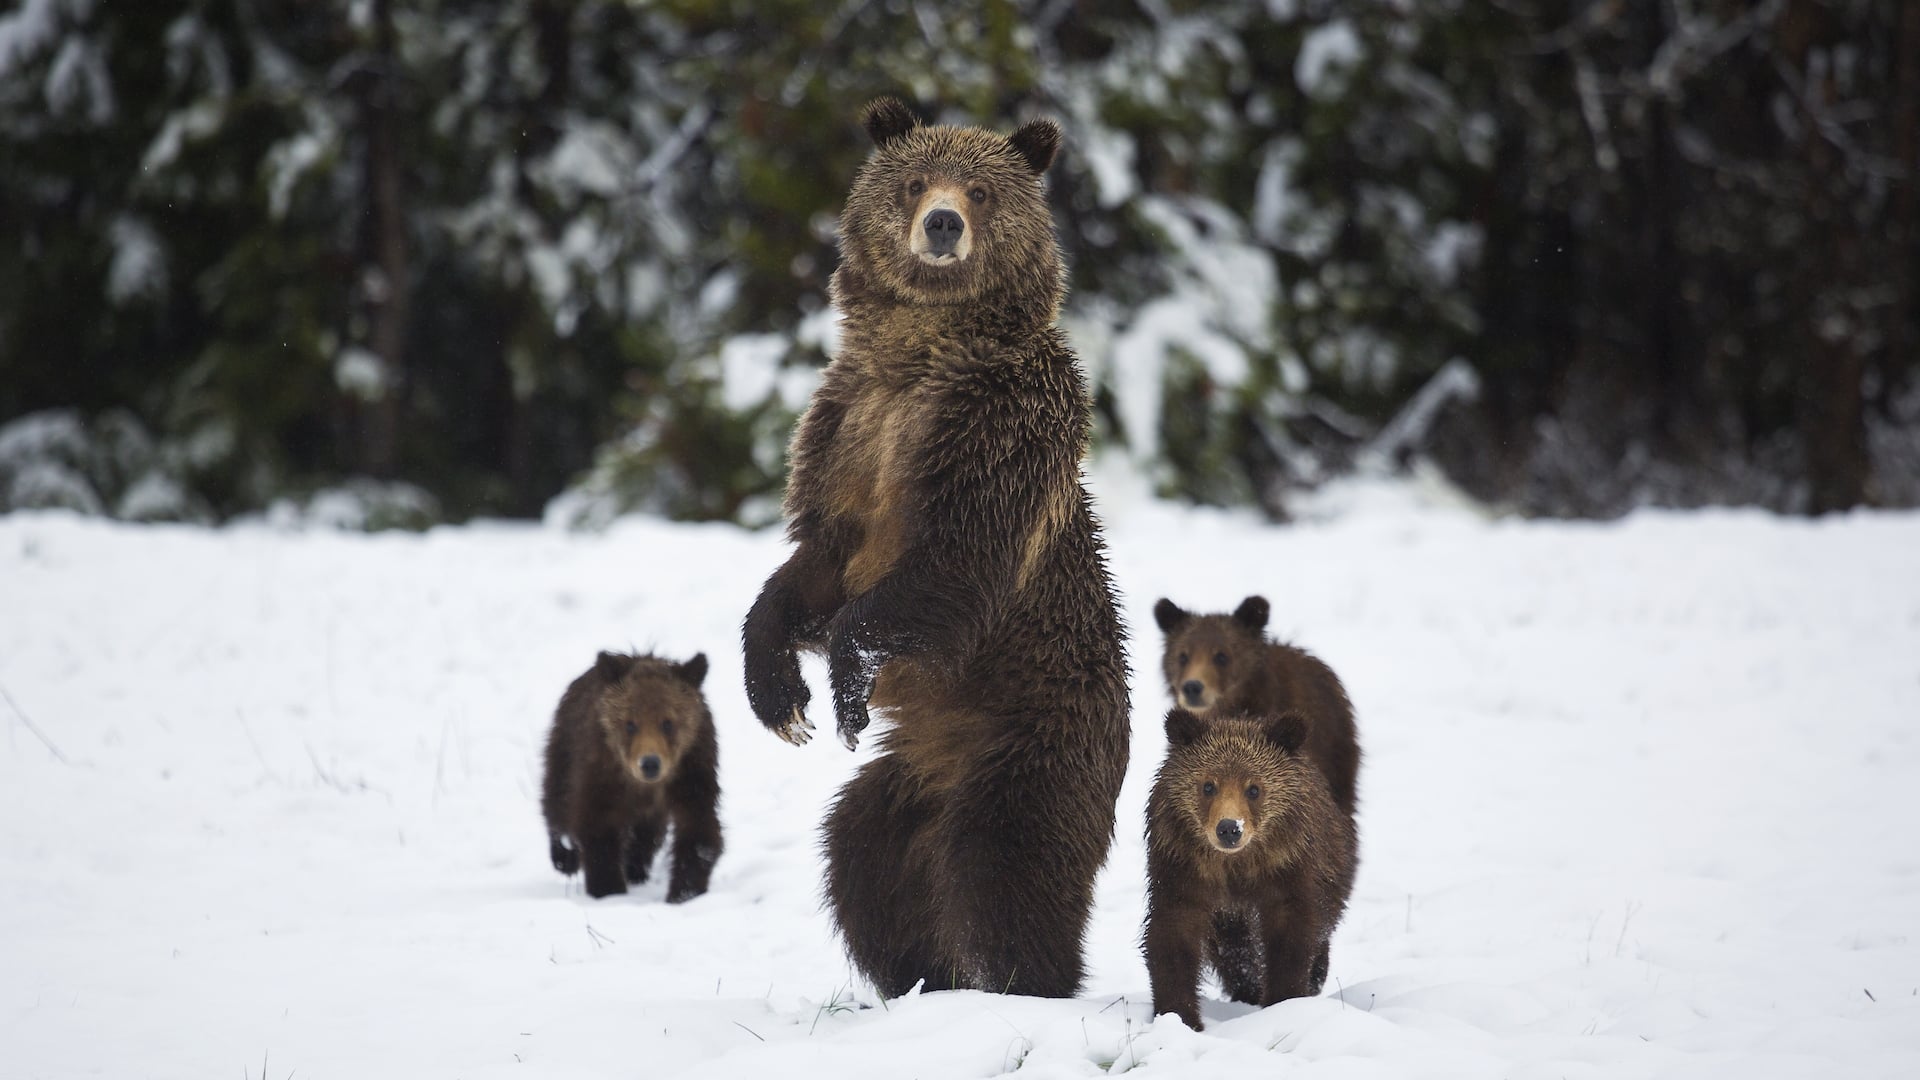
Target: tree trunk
1903,351
1831,413
389,291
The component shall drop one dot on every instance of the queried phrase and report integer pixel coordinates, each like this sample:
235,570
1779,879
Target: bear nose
650,766
1193,689
943,231
1229,833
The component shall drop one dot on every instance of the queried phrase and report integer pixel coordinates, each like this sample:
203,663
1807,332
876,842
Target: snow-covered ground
1640,799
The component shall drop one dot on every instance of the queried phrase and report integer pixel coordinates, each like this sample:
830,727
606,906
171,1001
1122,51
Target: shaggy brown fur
1226,663
948,563
1249,863
633,750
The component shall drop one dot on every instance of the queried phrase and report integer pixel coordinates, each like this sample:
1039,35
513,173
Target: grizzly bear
948,563
632,751
1249,863
1226,663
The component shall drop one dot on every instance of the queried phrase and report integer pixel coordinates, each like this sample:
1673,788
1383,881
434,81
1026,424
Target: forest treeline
400,262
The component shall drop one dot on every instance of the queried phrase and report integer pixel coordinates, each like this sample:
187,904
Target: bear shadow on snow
948,563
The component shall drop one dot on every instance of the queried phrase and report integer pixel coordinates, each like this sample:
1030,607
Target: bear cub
632,751
1225,663
1249,863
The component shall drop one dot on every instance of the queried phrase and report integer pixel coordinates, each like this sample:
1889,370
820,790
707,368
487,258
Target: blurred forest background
384,262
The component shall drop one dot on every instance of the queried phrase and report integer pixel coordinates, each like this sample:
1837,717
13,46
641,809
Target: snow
77,79
749,368
1453,247
139,266
1639,800
1273,197
587,158
360,372
292,158
27,32
1325,50
1139,358
191,124
1218,308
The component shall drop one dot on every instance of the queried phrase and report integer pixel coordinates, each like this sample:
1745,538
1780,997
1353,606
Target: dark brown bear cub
1249,863
632,751
948,563
1225,663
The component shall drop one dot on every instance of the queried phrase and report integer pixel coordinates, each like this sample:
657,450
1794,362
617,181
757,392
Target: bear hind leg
1018,896
881,898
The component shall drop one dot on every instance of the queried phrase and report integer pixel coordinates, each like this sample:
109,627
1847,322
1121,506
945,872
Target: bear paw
798,730
852,686
565,859
778,696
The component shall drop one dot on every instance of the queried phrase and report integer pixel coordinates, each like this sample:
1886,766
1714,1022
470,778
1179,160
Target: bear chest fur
871,481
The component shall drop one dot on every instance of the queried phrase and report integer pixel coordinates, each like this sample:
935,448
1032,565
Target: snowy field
1640,799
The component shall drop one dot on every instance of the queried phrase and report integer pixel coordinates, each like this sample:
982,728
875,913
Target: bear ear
1169,616
1252,613
613,666
1288,731
888,118
1037,141
1184,728
693,671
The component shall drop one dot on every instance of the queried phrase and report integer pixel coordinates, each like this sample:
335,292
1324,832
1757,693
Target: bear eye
1183,659
1220,659
978,194
915,187
633,727
1253,791
666,728
1208,789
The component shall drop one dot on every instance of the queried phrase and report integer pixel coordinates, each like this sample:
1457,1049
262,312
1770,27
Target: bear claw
798,730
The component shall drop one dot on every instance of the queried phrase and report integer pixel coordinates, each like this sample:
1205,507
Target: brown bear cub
1226,664
1249,863
948,563
632,751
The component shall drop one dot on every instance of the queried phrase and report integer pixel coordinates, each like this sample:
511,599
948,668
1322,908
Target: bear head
952,215
650,711
1233,780
1209,657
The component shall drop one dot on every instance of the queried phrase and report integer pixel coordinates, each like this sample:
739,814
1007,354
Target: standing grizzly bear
1225,663
632,750
948,563
1249,863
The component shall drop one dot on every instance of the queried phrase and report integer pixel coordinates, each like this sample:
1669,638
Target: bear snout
1228,834
650,767
1193,690
944,229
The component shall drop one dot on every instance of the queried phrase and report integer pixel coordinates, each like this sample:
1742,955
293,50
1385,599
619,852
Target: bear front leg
696,847
1293,945
1173,944
1234,951
791,611
643,843
600,856
561,851
1317,977
851,668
